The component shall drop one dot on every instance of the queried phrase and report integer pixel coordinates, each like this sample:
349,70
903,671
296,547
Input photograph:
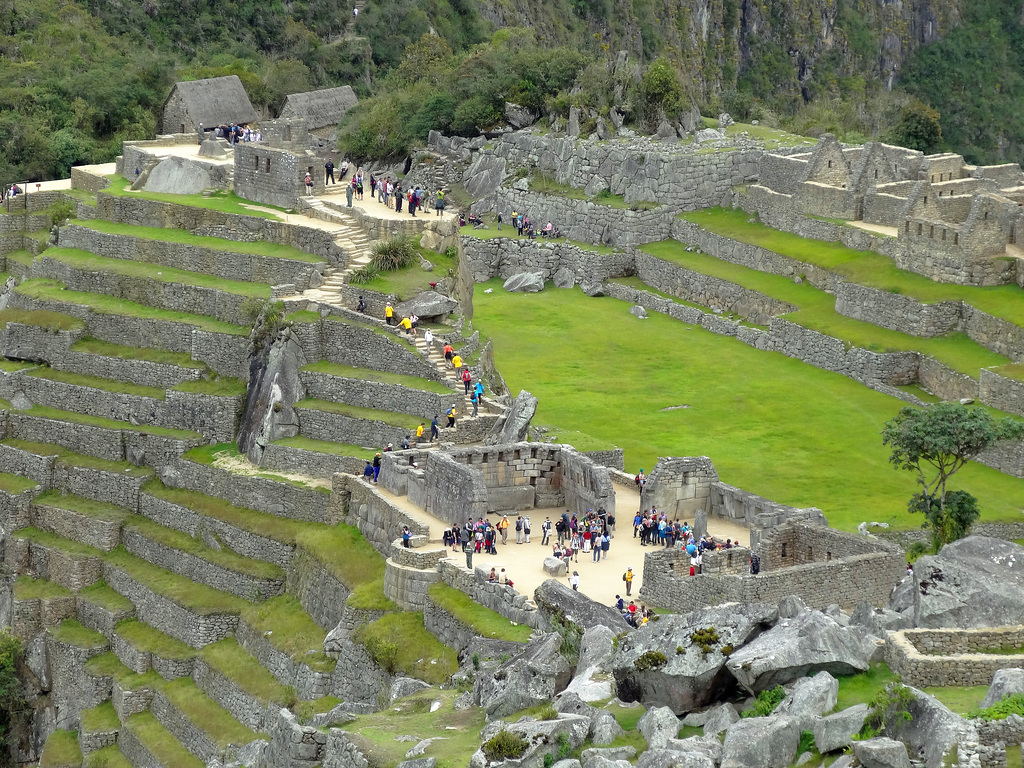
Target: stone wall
71,570
679,486
507,256
374,394
500,598
446,628
311,463
339,428
274,176
321,593
308,683
454,491
377,519
407,585
924,657
1001,392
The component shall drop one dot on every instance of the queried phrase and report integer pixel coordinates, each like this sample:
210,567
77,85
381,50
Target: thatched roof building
320,109
211,102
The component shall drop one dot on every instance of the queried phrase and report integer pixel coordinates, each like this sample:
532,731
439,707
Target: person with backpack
519,530
526,529
545,531
308,181
503,528
475,400
406,536
467,379
628,578
451,416
329,172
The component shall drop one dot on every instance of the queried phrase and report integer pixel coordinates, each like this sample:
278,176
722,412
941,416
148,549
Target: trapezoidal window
255,163
783,549
267,169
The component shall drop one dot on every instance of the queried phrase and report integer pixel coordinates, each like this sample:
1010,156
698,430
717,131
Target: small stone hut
320,109
211,102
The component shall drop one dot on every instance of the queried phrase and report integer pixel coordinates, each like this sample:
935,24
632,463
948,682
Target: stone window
783,549
926,199
956,238
943,234
810,554
829,163
255,163
287,133
876,173
908,228
985,216
828,557
267,169
920,228
931,232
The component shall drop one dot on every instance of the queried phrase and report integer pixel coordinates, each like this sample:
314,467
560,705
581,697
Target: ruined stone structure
210,102
957,657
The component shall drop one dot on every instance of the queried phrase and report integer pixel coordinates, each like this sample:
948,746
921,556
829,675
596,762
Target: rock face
878,621
516,423
525,282
274,388
719,719
648,666
530,678
881,753
558,601
973,582
179,176
1005,682
796,647
706,134
542,735
761,742
484,175
658,725
836,731
519,116
574,122
810,697
724,121
931,731
428,304
593,680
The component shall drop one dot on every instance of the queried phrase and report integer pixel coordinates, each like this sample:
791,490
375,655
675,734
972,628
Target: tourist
349,193
446,538
344,170
398,198
545,531
628,578
620,604
474,400
595,547
406,325
405,443
368,471
606,544
308,181
467,379
439,202
640,480
419,433
449,352
450,413
575,579
376,466
755,564
434,431
503,527
526,529
428,338
574,544
414,321
492,576
456,362
389,314
329,172
479,388
406,536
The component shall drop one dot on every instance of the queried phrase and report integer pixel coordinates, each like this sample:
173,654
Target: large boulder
525,282
658,725
931,730
274,388
797,647
563,278
179,176
810,697
665,666
878,621
529,678
670,758
519,116
593,679
484,175
1005,682
542,736
836,731
514,425
709,746
719,719
973,582
428,304
761,742
881,753
559,603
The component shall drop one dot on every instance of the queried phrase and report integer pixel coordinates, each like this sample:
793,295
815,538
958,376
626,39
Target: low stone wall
377,519
454,491
925,657
308,684
73,690
115,488
407,585
897,312
507,256
97,616
371,686
229,265
311,463
339,428
375,394
87,529
262,494
14,510
1001,392
191,736
29,617
1006,456
500,598
246,709
320,592
146,372
446,628
68,569
613,458
191,628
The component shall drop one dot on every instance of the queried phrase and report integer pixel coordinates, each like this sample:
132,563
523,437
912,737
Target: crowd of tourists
520,222
233,133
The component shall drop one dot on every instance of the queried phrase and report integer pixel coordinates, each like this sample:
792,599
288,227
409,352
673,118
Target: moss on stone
72,632
28,588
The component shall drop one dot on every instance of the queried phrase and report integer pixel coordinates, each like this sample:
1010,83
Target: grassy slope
407,282
820,448
225,202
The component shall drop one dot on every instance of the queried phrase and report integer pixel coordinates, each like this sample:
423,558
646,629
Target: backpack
519,525
466,375
623,577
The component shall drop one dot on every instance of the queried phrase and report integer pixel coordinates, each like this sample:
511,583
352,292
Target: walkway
600,581
878,229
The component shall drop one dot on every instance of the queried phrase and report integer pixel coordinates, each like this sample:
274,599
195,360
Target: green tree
917,128
936,442
10,685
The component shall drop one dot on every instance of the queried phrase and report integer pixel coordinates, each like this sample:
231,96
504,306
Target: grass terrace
291,631
960,699
817,312
102,595
161,743
90,262
108,757
90,507
820,449
69,457
546,185
861,267
46,412
108,665
235,663
403,420
93,346
13,366
51,321
72,632
28,588
61,750
198,598
100,718
402,645
53,541
225,202
322,446
172,235
366,374
1014,371
206,714
16,484
222,386
637,283
406,283
54,290
97,382
484,621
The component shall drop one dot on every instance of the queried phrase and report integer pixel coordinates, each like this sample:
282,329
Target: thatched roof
214,101
320,108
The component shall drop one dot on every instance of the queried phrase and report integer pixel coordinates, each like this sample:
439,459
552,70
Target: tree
936,442
918,128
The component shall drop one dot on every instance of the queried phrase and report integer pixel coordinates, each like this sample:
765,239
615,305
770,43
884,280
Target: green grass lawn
160,742
170,235
46,412
93,346
53,541
148,639
484,621
108,757
61,750
198,598
819,448
206,714
12,366
419,653
90,262
546,185
28,588
101,594
15,483
861,267
861,689
959,699
222,386
54,290
324,446
98,510
51,321
74,633
71,458
407,282
225,202
100,718
234,662
95,382
817,312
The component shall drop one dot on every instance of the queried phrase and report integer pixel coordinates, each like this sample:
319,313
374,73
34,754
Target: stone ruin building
953,222
209,102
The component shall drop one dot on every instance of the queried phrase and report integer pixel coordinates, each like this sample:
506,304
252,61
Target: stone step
142,648
98,729
221,569
38,604
193,613
87,521
45,555
234,678
100,608
148,744
206,729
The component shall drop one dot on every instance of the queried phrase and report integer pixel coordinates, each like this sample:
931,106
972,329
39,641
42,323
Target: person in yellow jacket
628,578
451,416
389,314
457,363
503,527
406,325
419,433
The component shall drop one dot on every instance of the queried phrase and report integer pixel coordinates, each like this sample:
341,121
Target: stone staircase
349,236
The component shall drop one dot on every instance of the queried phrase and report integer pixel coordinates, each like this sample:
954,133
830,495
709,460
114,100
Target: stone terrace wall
507,256
454,491
209,223
501,598
321,593
924,656
377,519
585,483
374,394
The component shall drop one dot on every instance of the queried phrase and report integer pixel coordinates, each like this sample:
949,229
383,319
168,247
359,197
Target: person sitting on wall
492,576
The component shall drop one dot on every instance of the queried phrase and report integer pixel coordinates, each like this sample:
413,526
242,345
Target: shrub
384,652
889,705
393,253
367,274
548,713
1011,705
504,745
766,702
806,742
705,639
650,660
61,211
